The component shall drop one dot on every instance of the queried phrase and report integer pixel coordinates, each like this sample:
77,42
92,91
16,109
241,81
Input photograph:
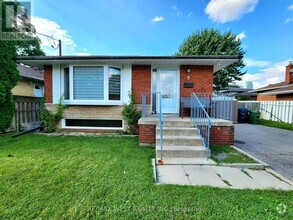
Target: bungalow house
31,82
95,88
282,91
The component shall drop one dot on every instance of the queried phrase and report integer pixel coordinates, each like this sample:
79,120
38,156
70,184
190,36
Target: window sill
92,102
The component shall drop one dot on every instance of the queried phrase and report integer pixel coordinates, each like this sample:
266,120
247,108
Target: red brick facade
48,83
201,76
222,135
141,80
147,134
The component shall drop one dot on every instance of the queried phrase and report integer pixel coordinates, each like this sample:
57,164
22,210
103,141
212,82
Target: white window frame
106,100
92,128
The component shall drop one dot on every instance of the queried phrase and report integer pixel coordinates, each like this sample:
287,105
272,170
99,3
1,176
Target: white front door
168,85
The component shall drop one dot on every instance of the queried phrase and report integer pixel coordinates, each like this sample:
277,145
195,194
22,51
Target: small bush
131,115
50,120
6,113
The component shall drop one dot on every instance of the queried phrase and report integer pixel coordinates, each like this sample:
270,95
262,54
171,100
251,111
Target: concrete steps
182,152
172,140
181,144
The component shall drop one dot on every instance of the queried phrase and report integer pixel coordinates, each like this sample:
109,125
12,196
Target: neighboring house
239,93
280,91
95,88
31,82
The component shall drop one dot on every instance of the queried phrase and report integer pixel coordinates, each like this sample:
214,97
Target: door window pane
167,83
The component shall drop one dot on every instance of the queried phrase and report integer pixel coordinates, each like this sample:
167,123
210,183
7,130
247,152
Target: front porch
181,141
222,131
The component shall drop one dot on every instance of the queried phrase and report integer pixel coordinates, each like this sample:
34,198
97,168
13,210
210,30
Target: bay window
91,84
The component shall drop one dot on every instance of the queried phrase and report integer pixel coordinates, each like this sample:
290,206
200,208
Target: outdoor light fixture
219,63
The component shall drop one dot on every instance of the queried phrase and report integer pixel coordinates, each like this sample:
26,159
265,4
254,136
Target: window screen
88,83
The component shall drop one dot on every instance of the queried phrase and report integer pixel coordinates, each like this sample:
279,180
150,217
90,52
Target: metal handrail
157,98
201,121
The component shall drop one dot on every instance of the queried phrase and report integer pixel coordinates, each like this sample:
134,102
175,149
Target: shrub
50,119
131,115
6,112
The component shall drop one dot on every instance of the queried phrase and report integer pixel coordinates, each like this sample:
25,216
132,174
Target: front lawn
276,124
226,154
103,177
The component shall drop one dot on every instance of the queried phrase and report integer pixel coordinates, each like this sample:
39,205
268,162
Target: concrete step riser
182,154
178,132
178,124
180,142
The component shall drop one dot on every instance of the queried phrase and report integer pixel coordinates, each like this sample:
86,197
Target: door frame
177,79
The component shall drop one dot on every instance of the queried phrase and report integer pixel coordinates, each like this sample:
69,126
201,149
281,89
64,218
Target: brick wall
222,135
266,98
147,134
201,76
24,88
90,112
285,97
141,80
48,83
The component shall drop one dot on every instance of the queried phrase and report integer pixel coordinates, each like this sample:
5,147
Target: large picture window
88,83
92,84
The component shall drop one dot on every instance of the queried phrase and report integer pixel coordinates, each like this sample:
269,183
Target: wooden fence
271,110
26,113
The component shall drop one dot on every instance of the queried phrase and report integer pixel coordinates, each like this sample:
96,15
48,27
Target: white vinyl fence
271,110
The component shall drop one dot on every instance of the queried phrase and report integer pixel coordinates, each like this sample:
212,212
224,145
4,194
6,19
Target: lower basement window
94,123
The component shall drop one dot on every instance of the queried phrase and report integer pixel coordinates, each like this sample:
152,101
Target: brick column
147,134
222,135
48,83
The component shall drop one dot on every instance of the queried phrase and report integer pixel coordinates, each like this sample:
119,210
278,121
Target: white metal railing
155,100
201,121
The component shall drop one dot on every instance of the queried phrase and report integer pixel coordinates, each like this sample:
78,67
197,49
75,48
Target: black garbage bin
243,115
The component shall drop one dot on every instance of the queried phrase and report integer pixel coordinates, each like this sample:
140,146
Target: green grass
276,124
226,154
111,178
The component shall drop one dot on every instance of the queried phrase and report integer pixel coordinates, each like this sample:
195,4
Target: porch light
188,70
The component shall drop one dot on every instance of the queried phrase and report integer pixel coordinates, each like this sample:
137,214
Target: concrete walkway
224,177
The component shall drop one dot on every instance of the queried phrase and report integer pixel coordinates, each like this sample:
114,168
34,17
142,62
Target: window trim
106,100
93,128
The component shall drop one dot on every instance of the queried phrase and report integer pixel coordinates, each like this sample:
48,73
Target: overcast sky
158,27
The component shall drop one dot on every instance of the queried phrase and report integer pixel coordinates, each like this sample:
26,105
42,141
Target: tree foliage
213,42
9,75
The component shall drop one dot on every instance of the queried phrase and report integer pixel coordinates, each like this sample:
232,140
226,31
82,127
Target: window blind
88,83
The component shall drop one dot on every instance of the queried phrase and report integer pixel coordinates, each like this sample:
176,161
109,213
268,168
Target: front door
168,86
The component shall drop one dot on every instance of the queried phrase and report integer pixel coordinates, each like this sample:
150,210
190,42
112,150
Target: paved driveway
271,145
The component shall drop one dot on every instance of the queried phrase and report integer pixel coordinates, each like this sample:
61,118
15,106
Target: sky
158,27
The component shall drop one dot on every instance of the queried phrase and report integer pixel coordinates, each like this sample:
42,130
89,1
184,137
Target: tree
9,75
213,42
